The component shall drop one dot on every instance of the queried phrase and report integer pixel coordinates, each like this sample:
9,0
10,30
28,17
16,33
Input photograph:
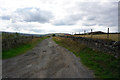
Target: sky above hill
58,16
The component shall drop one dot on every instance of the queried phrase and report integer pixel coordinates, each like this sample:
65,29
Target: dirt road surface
46,60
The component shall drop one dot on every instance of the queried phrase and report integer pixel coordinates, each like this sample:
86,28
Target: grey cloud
63,22
69,20
37,30
76,17
20,27
86,24
35,16
81,30
119,16
16,27
97,13
6,17
102,14
29,15
91,18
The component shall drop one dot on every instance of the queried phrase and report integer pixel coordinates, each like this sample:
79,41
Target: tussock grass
103,65
21,48
113,37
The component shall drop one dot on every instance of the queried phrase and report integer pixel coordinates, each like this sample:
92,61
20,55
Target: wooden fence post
84,33
108,34
91,33
118,35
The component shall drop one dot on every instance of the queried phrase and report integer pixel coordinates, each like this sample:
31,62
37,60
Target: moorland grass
103,65
112,37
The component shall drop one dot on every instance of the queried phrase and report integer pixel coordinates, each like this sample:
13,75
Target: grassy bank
21,48
103,65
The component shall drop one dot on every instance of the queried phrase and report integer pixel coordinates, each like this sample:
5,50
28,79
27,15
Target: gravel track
46,60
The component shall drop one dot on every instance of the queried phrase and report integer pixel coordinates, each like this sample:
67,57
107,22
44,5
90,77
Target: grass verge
103,65
21,48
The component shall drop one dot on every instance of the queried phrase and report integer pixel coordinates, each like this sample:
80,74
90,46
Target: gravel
46,60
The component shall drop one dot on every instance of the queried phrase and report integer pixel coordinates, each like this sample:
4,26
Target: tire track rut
46,60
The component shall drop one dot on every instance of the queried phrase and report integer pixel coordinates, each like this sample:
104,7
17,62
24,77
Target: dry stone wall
110,47
13,42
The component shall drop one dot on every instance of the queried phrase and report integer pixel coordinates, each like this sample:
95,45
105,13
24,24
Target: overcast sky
58,16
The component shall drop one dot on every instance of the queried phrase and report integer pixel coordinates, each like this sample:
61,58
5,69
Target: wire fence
99,35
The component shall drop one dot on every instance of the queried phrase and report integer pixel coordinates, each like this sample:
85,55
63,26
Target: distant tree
53,35
17,34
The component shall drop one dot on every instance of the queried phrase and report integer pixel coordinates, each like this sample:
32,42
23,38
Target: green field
103,65
21,48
